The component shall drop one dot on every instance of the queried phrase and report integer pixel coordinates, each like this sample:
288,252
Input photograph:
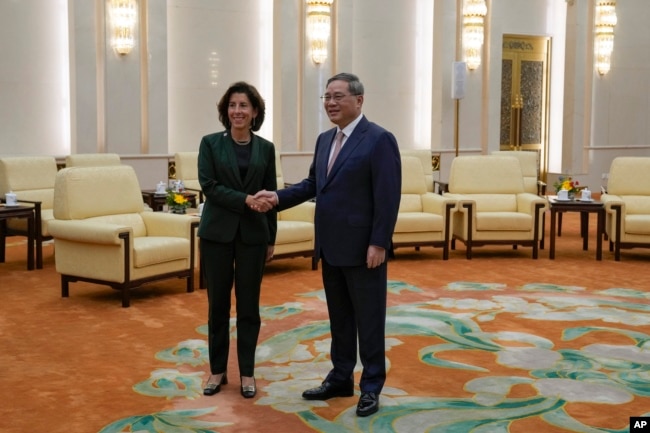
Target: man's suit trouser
356,302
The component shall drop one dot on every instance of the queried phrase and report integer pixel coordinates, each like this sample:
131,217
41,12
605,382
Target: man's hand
258,204
375,257
270,198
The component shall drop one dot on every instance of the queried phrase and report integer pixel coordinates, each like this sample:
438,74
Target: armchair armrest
169,224
460,199
611,200
529,203
541,188
89,232
437,204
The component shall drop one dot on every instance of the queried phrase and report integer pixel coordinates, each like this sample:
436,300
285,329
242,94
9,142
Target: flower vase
572,195
178,210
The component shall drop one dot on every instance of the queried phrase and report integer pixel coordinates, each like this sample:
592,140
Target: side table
585,208
27,212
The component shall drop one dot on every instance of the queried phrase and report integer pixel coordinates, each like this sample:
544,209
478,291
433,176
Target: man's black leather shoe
368,404
328,390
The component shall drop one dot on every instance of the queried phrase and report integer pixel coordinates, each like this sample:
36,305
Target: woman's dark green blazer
225,209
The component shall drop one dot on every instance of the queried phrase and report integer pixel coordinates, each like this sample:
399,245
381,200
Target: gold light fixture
604,38
318,28
123,15
474,12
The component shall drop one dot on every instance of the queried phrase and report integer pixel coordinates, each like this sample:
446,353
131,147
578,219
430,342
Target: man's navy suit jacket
357,204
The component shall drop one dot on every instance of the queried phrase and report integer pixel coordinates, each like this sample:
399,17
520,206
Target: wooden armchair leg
126,297
65,287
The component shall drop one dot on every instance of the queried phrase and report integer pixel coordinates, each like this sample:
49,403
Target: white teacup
10,199
586,195
200,208
160,188
563,194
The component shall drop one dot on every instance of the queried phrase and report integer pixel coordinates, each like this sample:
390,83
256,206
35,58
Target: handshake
263,201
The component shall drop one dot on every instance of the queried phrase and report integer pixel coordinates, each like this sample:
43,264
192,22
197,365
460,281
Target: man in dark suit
357,199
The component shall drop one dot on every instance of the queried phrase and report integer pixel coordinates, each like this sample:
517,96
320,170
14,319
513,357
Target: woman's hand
258,204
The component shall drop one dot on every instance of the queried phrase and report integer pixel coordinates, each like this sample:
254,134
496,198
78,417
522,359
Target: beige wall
79,96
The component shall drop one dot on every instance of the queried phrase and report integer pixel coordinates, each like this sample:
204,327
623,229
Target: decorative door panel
524,95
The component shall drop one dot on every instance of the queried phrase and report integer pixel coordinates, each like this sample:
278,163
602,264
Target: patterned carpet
501,343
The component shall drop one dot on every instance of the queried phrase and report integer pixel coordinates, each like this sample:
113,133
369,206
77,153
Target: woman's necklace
242,142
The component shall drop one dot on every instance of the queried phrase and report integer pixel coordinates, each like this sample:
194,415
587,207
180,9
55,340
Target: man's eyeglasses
337,97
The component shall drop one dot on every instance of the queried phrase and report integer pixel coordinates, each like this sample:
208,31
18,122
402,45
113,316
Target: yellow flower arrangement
177,201
566,182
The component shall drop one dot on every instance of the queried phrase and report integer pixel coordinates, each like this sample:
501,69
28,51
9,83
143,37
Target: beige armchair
295,235
424,218
187,170
92,159
31,178
493,207
627,204
102,234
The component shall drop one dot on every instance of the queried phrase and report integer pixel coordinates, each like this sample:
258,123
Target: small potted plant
567,183
177,202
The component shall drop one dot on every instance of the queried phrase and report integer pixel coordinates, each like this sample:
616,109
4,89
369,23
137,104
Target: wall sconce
123,15
474,12
604,38
318,28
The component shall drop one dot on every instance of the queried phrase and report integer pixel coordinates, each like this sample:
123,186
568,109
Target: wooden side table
585,208
157,201
27,212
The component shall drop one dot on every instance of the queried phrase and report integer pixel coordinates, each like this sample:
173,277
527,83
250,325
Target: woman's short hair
253,96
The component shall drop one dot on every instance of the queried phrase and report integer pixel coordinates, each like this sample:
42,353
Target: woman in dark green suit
236,239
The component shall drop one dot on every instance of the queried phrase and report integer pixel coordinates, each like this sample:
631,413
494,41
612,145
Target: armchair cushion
529,163
86,192
636,204
424,155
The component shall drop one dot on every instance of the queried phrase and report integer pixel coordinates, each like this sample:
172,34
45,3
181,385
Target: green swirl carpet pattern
470,357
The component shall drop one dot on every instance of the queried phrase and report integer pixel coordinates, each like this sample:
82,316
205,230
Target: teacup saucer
586,200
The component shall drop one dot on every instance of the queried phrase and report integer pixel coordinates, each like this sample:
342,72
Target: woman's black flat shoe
249,391
211,388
